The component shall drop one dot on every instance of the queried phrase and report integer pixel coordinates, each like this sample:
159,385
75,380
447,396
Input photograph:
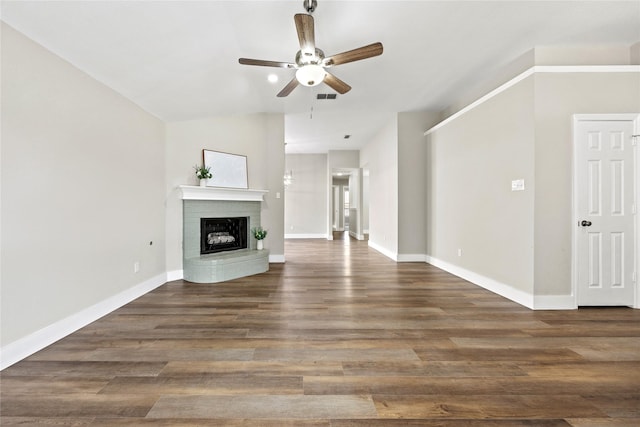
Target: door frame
577,118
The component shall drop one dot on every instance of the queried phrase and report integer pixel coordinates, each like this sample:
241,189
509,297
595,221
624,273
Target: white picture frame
228,170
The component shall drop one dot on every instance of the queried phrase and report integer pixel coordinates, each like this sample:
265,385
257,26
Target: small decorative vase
260,246
203,182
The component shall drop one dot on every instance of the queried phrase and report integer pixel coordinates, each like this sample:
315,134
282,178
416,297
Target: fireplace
217,203
223,234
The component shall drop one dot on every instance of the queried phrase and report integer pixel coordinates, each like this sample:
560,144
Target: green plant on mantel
259,233
203,172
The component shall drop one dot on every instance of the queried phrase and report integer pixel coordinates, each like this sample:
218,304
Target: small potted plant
259,233
203,173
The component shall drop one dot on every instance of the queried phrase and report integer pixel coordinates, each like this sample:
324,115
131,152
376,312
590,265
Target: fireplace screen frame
241,238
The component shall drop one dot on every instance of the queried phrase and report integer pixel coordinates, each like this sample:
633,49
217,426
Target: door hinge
634,140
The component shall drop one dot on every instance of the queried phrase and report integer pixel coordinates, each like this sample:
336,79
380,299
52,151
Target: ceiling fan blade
336,84
363,52
288,88
306,33
247,61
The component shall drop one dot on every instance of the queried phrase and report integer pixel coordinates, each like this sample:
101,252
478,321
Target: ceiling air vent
326,96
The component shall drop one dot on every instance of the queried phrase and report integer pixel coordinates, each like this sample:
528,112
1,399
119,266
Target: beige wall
557,98
82,190
520,239
411,184
260,137
471,163
306,197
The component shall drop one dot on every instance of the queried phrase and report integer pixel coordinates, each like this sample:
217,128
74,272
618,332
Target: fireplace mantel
191,192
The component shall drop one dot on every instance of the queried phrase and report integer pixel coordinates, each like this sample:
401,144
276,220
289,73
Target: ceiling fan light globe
310,75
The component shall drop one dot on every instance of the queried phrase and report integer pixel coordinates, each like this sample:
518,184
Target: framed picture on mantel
228,170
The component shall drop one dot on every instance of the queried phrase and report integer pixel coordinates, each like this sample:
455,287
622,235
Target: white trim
190,192
502,289
384,251
276,259
554,302
26,346
175,275
636,131
305,236
412,258
531,71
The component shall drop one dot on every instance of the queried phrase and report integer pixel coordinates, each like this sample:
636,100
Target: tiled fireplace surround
209,202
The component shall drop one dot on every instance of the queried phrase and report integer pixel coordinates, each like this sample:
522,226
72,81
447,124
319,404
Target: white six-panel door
605,211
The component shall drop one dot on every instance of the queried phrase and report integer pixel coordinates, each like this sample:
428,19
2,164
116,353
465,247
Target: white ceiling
179,59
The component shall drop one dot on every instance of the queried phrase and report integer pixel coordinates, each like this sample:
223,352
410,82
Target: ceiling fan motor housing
303,59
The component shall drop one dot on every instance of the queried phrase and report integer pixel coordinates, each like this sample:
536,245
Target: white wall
82,194
305,213
381,159
260,137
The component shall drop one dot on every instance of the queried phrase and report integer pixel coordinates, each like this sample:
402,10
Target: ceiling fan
310,62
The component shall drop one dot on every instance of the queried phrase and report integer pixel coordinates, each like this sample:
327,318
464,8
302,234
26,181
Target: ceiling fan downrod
309,5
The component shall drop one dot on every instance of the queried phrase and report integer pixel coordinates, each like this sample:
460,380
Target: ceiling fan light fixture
310,75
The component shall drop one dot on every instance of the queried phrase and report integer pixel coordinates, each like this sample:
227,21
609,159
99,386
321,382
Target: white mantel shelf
191,192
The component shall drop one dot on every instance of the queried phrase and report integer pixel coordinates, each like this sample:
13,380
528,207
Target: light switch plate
517,185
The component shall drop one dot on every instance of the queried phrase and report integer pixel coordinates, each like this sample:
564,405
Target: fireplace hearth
223,234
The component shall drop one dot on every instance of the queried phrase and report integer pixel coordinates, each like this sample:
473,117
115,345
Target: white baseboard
412,258
356,235
276,259
554,302
384,251
502,289
175,275
26,346
305,236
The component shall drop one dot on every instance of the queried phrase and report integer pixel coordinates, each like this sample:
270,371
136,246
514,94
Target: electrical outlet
136,266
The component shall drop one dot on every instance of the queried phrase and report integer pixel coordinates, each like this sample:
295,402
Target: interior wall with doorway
305,204
340,185
517,243
339,163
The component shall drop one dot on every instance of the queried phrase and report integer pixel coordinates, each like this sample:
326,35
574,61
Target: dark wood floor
337,336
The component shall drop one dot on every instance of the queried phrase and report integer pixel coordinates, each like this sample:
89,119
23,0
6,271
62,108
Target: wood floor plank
481,406
178,369
343,337
264,407
218,384
75,405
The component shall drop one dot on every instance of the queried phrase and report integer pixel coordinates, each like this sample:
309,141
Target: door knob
585,223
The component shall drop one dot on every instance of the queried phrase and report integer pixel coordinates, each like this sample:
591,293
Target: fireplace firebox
223,234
